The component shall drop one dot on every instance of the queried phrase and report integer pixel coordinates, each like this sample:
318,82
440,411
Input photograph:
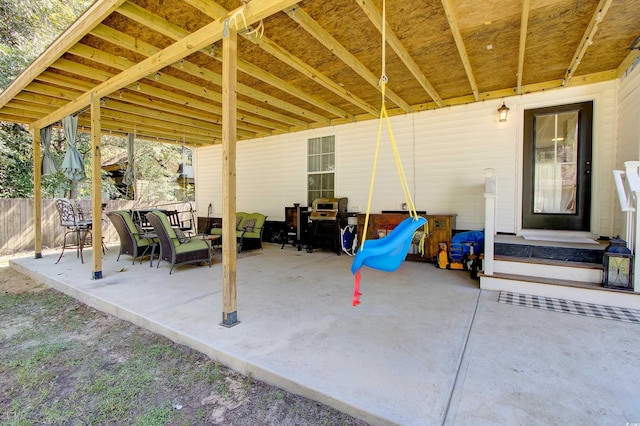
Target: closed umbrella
130,174
48,166
72,165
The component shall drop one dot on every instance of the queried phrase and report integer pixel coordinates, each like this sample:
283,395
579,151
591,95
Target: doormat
570,307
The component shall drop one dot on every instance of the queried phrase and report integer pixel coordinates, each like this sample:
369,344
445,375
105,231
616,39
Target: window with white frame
321,162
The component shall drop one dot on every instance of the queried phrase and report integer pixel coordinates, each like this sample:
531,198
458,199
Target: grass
62,362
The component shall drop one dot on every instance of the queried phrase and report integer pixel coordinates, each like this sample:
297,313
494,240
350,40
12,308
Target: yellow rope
401,174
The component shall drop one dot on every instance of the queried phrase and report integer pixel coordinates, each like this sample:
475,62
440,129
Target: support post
490,193
633,219
229,100
37,194
96,188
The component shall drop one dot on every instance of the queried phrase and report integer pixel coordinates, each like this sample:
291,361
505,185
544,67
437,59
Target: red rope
356,289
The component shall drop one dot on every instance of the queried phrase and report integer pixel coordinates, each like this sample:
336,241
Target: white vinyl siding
628,132
444,153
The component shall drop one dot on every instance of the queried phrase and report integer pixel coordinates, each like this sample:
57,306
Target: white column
490,194
633,179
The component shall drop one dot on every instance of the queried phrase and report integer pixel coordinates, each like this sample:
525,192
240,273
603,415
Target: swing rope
385,116
401,173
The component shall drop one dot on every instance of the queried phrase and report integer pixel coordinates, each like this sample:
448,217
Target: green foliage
27,27
16,166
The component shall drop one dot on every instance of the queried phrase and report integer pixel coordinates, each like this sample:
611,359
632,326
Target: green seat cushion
132,228
193,244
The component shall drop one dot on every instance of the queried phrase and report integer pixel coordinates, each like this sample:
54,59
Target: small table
152,238
210,240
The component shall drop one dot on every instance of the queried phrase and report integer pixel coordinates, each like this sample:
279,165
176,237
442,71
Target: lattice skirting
570,307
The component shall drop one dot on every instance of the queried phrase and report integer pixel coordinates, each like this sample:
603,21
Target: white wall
444,153
628,131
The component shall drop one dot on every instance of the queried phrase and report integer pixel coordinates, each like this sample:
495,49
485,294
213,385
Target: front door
557,167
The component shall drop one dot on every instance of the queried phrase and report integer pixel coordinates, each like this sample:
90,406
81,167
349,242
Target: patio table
152,238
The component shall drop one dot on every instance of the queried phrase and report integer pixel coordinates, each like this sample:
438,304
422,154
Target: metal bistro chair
73,224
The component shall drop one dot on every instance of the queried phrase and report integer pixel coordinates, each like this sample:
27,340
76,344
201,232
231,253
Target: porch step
514,246
580,291
549,268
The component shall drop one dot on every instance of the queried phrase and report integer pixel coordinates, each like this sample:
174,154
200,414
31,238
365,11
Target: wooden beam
587,38
37,195
327,40
194,104
128,42
142,16
374,16
120,112
216,11
229,73
627,62
30,112
524,23
90,18
277,51
156,23
462,51
152,106
96,188
176,83
208,7
253,12
257,72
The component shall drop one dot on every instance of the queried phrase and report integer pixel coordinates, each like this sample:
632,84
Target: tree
15,162
27,27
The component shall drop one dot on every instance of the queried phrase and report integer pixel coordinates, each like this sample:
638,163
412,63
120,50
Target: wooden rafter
462,51
374,16
191,109
299,65
627,62
99,11
164,27
587,38
327,40
253,12
174,82
216,11
524,21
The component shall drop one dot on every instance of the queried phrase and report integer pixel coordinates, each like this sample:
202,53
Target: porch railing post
490,194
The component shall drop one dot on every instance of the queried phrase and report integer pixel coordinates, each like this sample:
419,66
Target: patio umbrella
72,165
48,166
129,175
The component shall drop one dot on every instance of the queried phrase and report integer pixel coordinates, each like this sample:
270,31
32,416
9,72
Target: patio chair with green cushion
217,227
130,240
176,250
249,228
249,233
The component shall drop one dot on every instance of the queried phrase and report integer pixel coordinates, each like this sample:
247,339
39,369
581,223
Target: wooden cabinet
441,227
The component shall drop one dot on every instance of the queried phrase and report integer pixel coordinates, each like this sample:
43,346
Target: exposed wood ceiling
156,63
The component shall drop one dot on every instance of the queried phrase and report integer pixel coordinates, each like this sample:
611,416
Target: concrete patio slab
426,346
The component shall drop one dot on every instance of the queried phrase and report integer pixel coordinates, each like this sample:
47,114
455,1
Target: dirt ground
62,362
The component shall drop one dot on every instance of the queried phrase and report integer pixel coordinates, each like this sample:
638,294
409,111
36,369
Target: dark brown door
557,167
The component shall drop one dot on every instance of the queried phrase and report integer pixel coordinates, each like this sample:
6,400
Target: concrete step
549,268
581,291
516,246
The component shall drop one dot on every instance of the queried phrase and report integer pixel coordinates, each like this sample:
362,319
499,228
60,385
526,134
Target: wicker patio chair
130,240
174,250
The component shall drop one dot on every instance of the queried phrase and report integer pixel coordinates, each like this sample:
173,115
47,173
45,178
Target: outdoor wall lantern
503,111
617,265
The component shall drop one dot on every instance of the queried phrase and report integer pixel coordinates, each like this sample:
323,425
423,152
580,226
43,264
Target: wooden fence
17,230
